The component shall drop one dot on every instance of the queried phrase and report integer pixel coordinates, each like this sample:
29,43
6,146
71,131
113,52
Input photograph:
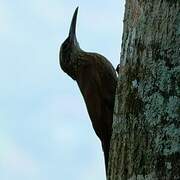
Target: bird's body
97,81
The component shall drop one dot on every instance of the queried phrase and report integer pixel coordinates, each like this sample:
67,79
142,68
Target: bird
97,80
118,68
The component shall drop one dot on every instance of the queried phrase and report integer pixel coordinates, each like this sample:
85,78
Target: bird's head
69,49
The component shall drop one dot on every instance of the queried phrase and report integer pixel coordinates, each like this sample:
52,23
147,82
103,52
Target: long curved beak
72,31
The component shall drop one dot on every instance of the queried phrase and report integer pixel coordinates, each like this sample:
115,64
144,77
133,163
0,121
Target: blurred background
45,130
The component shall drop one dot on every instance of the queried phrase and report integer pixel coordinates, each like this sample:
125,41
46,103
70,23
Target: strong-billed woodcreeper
97,81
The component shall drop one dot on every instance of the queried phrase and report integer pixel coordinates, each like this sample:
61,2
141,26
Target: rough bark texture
146,130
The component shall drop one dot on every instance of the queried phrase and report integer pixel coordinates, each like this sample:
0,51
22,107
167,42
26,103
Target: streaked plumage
97,81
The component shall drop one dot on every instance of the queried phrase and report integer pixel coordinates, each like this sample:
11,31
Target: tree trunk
146,130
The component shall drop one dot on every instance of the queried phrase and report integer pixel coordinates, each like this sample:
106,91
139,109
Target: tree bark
145,143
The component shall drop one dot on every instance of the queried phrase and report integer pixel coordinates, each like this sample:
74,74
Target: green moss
172,107
154,110
168,165
172,2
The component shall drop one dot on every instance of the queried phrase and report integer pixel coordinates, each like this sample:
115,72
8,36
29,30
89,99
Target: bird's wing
107,80
105,77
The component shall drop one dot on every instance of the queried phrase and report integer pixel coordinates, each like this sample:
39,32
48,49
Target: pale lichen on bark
146,130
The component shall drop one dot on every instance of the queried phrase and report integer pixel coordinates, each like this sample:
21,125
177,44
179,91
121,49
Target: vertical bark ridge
146,129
